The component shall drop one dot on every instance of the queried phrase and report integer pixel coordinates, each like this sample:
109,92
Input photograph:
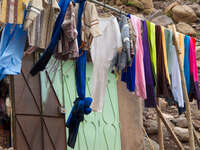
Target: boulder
186,29
196,8
169,8
162,20
196,124
155,14
147,144
183,13
180,122
151,126
182,134
146,5
168,116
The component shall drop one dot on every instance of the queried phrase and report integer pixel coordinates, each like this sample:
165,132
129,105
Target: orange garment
182,47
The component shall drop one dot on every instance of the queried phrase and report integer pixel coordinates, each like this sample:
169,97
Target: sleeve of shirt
33,10
94,22
118,37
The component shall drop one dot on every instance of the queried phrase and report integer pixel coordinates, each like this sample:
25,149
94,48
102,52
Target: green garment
152,46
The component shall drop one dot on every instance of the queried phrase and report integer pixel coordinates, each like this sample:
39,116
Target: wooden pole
149,140
13,117
160,131
176,140
187,104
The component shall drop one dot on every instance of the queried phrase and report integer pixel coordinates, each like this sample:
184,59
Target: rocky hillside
177,123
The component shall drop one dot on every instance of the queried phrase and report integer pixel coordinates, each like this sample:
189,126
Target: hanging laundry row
156,69
142,52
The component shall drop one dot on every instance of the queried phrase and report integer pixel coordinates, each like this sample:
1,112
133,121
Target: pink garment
192,58
140,83
194,92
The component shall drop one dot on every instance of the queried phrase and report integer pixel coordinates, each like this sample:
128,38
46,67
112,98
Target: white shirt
103,50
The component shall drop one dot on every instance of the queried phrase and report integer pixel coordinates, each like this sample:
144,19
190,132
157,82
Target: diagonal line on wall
31,92
29,147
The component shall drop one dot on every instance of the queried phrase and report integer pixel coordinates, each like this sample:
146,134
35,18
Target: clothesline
117,10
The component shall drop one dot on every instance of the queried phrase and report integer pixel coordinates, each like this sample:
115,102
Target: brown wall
130,112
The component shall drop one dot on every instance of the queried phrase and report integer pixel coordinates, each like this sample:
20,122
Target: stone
151,126
168,116
146,5
155,14
163,104
162,20
196,124
183,13
169,8
196,8
182,134
147,144
180,122
186,29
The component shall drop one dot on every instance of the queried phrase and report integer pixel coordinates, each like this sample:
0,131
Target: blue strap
82,104
41,64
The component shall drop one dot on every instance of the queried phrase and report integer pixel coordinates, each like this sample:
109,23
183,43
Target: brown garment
67,47
90,24
163,86
41,27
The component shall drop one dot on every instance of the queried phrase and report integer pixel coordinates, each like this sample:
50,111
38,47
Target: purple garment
150,85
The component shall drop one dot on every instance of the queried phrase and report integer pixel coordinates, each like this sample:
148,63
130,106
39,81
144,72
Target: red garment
194,90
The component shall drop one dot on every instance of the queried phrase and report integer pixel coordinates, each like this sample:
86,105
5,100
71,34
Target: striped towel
12,11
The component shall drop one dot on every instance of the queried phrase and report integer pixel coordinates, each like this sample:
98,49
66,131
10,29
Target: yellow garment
182,47
165,54
12,11
152,46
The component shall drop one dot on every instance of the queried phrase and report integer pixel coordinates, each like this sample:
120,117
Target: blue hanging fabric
41,64
12,46
128,76
81,104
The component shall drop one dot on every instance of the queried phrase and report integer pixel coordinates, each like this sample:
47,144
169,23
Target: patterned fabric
90,24
12,11
67,47
33,10
124,27
123,58
44,59
41,29
132,37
